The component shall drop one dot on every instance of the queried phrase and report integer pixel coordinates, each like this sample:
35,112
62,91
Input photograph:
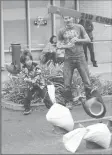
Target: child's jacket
34,73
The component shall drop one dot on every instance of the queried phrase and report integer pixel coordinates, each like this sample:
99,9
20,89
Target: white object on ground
100,134
60,116
51,92
73,139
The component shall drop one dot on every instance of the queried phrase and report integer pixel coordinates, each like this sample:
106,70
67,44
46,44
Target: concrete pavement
32,134
104,70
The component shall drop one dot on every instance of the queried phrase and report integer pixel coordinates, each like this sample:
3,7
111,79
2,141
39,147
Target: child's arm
37,74
47,48
24,73
38,79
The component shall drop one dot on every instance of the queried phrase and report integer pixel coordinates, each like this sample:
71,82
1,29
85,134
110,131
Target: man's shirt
66,34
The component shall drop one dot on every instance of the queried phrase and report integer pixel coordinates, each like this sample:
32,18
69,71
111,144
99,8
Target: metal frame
53,20
2,35
28,29
78,5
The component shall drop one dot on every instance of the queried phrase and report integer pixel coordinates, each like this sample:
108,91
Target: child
49,52
32,75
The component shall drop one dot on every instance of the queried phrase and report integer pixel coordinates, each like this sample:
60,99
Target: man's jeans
69,65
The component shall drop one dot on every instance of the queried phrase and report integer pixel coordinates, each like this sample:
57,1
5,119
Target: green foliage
14,89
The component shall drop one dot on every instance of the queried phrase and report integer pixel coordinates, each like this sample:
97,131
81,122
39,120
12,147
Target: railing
34,47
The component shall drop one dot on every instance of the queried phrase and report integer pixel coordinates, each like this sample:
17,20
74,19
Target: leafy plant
14,89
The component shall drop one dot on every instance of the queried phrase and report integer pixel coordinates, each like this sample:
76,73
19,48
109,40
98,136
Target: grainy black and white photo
56,76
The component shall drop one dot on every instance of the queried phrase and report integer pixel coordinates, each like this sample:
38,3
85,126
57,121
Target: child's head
26,58
53,39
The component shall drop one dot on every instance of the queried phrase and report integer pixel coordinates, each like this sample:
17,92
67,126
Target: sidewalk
101,69
32,134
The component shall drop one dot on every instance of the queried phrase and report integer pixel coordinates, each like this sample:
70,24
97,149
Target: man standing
71,38
88,25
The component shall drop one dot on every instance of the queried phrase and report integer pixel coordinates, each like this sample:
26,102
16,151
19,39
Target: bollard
16,50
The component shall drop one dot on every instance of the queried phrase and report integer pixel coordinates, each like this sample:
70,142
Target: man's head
69,21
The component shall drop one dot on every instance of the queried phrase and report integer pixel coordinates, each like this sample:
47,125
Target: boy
32,75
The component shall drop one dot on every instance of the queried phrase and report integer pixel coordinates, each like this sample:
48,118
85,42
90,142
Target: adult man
88,25
71,38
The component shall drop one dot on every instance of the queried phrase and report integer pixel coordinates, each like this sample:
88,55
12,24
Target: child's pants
42,93
29,95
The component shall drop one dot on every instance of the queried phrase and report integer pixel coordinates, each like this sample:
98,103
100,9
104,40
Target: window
41,34
14,20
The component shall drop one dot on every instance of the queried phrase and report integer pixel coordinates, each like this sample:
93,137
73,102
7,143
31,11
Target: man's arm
60,43
46,48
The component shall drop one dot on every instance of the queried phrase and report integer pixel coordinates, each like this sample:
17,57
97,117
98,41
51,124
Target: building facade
18,18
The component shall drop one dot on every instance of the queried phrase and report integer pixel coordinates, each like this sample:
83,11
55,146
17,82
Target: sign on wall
40,21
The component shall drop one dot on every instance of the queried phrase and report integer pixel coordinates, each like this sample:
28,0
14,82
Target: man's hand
74,40
69,45
59,45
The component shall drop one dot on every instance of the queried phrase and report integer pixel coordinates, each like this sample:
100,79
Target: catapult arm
73,13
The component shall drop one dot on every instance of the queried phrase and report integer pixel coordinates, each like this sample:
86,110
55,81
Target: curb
18,107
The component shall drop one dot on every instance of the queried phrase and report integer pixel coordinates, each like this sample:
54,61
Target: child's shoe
27,111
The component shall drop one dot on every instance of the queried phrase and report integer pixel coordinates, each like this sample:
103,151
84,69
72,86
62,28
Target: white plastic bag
100,134
60,116
51,92
73,139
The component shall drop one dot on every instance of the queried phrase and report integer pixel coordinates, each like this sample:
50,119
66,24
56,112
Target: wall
103,50
15,23
14,19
